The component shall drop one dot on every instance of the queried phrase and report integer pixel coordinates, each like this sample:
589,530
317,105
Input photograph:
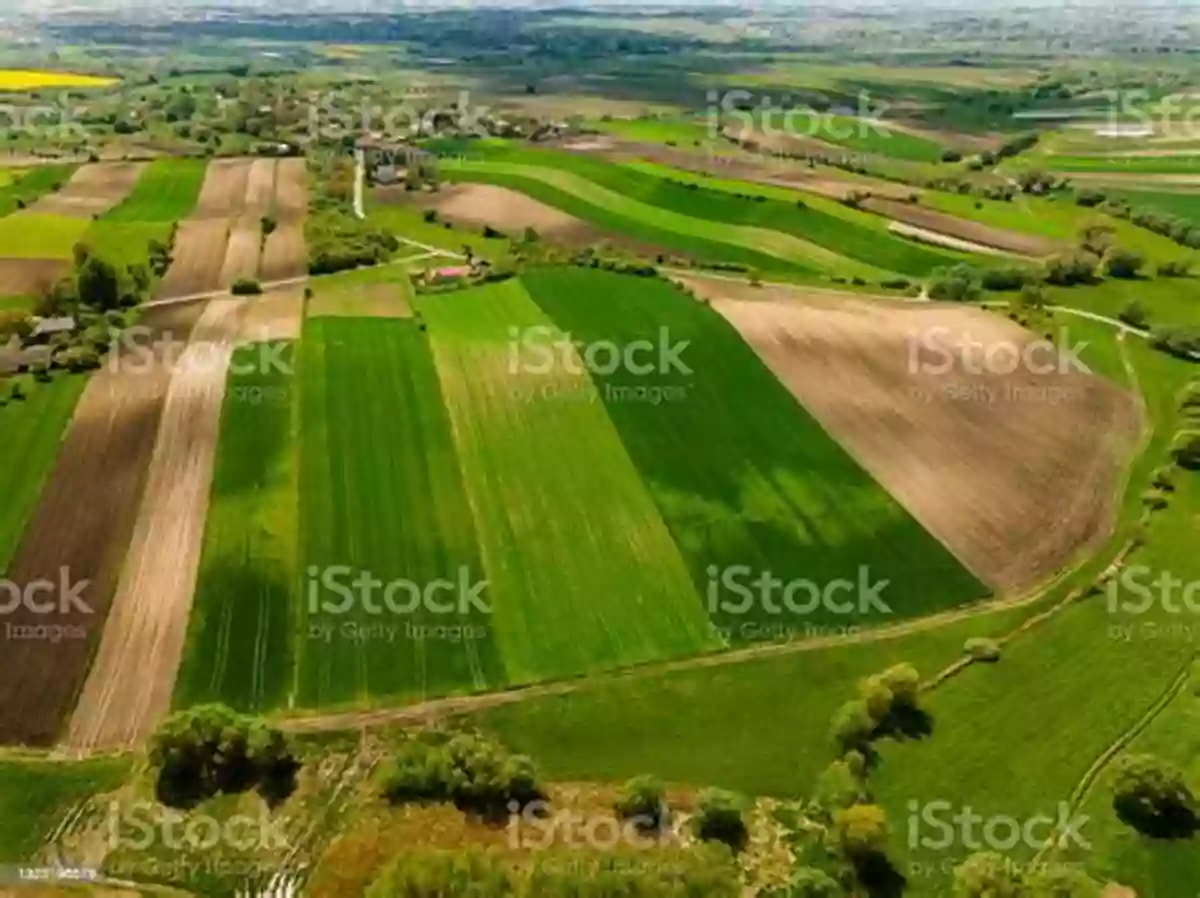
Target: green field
650,226
125,243
746,484
35,795
240,641
166,192
22,190
1142,165
382,493
1185,205
30,235
539,457
32,429
673,132
841,241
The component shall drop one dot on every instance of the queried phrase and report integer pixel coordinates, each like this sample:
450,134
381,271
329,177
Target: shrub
643,802
1071,269
951,155
246,287
1089,199
982,649
1010,277
1135,314
860,832
719,818
1123,263
1187,455
431,216
1182,342
1178,269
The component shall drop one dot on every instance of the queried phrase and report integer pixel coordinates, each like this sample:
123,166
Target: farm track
129,687
972,232
82,525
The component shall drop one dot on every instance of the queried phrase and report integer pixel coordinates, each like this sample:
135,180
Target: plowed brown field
29,277
129,686
82,525
92,190
1016,472
199,259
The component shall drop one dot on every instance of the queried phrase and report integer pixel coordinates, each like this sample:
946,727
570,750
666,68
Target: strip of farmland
382,495
129,686
756,486
285,254
240,642
95,486
92,190
582,570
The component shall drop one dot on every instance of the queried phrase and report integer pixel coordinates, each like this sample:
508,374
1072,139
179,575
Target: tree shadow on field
879,877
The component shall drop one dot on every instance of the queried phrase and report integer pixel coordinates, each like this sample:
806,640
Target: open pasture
754,484
1017,472
92,190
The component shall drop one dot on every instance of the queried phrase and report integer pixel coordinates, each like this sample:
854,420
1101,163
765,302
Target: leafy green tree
962,283
643,800
1123,263
1152,795
99,284
860,832
987,875
719,818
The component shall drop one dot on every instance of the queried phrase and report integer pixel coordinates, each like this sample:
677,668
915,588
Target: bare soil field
242,250
29,277
276,315
507,210
223,193
939,222
1016,473
199,258
129,686
260,186
80,530
365,301
291,189
92,190
285,252
922,235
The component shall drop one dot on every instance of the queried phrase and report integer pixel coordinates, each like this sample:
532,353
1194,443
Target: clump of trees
643,802
471,772
212,750
1187,455
887,705
1181,342
719,818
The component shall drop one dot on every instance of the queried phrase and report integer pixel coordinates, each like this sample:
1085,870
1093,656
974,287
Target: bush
1178,269
1011,277
1071,269
982,649
470,771
1135,314
1089,199
951,155
1187,455
719,818
1123,263
643,802
246,287
1181,342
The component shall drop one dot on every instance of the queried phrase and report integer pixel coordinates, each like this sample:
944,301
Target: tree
987,875
1071,269
210,750
1123,263
1152,795
860,832
99,284
1135,314
269,224
719,818
958,284
1096,238
853,727
643,801
1188,455
809,882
